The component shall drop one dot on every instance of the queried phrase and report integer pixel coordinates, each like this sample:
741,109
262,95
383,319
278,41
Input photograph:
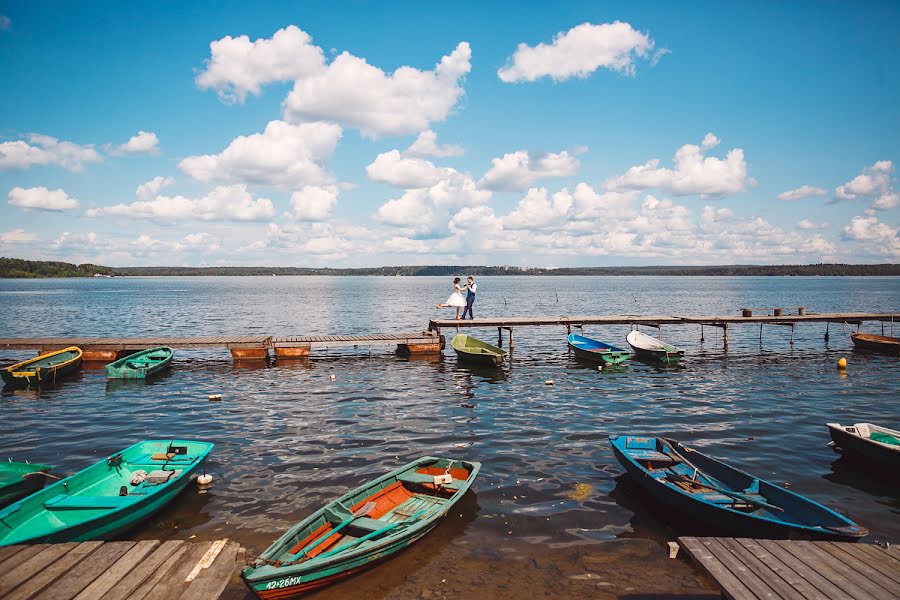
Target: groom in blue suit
470,297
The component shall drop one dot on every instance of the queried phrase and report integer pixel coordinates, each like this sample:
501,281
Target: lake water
550,516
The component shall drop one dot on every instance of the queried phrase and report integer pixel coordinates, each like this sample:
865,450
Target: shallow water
550,515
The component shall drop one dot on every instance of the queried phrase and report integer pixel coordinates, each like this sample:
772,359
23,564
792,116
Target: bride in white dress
456,299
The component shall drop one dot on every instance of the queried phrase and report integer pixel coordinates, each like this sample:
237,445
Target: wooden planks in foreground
748,569
145,570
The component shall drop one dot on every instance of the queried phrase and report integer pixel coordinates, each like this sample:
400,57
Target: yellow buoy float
842,363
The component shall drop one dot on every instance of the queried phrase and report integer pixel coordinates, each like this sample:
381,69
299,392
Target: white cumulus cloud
224,203
872,181
426,145
284,156
694,173
40,198
46,150
313,203
404,172
149,189
882,238
518,170
17,236
579,52
804,191
238,66
143,142
537,211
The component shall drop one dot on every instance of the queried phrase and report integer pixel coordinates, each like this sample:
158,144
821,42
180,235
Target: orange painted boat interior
385,501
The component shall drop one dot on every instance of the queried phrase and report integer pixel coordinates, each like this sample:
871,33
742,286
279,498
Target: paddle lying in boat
18,480
106,498
596,351
648,347
722,498
141,365
473,350
346,536
47,368
875,343
872,445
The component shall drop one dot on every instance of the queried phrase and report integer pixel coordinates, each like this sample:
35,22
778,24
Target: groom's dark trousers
470,299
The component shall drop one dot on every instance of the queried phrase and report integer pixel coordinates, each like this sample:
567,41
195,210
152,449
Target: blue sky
552,135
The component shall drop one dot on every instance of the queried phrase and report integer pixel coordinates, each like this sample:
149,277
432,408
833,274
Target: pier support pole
760,335
725,335
701,333
792,335
509,329
499,337
826,331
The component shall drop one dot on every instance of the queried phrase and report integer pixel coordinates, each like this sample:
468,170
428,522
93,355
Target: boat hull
650,349
864,451
13,486
596,352
141,364
23,375
474,351
876,343
718,520
491,360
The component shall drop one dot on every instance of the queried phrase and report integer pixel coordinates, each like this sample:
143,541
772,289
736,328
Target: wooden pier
778,317
246,347
747,569
146,570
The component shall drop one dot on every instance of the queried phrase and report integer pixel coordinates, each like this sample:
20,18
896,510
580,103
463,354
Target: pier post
826,331
291,353
725,335
249,353
499,337
701,333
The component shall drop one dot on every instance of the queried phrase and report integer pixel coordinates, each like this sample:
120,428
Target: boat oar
376,533
712,486
44,473
360,512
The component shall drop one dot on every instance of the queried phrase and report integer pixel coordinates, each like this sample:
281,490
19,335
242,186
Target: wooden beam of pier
747,569
118,570
654,320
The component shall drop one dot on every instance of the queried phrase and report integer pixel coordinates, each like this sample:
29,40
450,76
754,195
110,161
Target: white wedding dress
456,299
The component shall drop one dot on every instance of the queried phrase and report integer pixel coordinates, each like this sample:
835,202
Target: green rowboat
47,368
106,498
141,365
470,349
361,527
18,480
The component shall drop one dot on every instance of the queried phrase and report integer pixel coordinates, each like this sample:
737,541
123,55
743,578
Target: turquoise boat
45,369
106,498
141,365
18,480
596,351
365,525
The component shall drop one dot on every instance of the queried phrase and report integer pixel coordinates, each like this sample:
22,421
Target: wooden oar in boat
715,488
374,534
360,512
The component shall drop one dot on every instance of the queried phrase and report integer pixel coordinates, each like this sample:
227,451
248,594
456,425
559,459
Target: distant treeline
14,267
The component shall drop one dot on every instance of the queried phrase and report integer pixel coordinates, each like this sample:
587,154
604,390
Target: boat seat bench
420,478
651,456
369,524
66,502
178,459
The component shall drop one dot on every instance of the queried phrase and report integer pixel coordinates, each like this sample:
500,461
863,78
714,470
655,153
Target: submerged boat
141,365
875,343
596,351
648,347
47,368
363,526
106,498
878,446
18,480
473,350
724,499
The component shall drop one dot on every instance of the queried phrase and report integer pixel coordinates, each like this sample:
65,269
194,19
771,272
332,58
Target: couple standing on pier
457,300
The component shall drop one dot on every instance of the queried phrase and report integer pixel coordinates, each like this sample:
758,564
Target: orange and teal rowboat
45,369
365,525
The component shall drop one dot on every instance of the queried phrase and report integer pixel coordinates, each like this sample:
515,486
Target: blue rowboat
596,351
721,498
106,498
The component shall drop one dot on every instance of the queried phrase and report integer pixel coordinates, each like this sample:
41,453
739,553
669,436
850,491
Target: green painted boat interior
45,362
884,438
141,364
93,494
470,345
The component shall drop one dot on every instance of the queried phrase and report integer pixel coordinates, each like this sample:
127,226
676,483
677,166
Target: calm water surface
550,516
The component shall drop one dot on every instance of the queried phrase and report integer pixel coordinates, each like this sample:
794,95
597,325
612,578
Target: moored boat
18,480
470,349
596,351
876,446
365,525
875,343
650,348
724,499
45,369
141,365
107,498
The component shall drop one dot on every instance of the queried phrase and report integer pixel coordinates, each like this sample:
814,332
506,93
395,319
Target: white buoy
215,397
204,479
332,377
548,382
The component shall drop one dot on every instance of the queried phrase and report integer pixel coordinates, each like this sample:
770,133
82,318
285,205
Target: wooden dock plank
16,574
7,551
66,588
879,559
145,569
118,570
756,584
22,554
773,579
163,568
732,587
803,587
47,575
825,587
863,586
803,553
212,580
168,586
845,556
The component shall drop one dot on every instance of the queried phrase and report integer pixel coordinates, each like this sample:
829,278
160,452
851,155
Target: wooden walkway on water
145,570
748,569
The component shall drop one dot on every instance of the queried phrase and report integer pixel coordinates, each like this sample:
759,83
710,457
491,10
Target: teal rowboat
18,480
596,351
473,350
106,498
375,520
47,368
141,365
